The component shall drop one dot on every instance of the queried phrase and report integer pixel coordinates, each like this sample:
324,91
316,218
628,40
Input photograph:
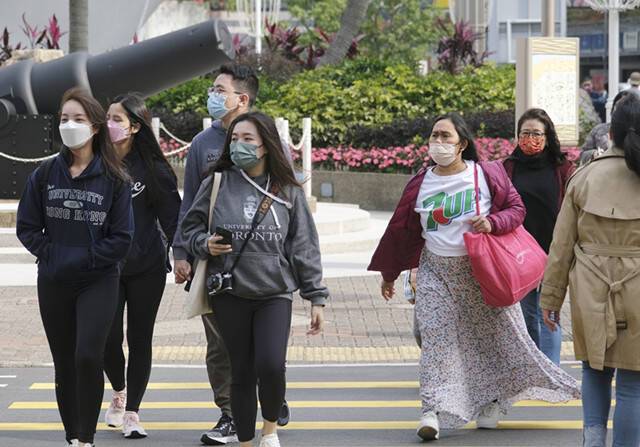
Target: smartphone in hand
226,236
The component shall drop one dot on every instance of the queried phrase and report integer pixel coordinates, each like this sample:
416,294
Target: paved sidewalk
360,327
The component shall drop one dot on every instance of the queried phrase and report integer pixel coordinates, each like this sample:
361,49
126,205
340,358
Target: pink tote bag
507,266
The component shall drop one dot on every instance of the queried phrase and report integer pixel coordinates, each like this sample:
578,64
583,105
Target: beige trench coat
596,253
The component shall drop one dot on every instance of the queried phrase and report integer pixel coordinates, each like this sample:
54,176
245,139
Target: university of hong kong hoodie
148,249
79,228
282,256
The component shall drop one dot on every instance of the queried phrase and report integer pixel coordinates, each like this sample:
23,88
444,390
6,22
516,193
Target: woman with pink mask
539,171
155,200
475,360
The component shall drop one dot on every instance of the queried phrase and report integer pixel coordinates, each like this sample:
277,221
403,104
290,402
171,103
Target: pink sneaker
115,412
131,427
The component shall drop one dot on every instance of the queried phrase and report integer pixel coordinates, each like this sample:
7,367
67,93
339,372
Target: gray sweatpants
218,365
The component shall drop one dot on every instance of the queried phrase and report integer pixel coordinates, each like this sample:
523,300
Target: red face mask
531,145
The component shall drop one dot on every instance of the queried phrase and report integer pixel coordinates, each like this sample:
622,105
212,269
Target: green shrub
190,96
363,93
371,93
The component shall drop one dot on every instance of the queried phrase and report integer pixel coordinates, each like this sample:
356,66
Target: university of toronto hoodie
79,228
282,256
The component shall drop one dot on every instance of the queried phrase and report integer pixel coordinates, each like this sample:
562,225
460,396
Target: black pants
77,318
142,294
256,333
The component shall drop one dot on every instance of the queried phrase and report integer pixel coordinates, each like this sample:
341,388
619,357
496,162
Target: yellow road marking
290,385
47,405
312,425
37,405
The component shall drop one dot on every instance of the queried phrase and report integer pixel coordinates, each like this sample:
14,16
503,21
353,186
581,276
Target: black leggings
77,318
143,294
256,334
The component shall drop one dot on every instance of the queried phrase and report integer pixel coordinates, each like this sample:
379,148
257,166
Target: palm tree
78,25
352,17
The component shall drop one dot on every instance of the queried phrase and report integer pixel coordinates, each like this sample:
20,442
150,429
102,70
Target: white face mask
74,135
443,153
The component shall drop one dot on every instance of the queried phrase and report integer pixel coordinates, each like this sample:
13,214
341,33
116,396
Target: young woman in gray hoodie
274,251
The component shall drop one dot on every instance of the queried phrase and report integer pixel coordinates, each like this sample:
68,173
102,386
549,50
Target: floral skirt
473,354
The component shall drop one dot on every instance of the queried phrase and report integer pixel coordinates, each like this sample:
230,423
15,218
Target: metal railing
304,146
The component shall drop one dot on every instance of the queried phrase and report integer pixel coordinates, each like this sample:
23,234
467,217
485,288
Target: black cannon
30,93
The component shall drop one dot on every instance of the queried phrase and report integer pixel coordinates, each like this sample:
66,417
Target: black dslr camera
219,283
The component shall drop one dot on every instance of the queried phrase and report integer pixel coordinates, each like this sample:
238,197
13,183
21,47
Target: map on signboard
554,81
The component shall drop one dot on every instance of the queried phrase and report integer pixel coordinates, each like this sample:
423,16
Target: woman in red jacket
476,360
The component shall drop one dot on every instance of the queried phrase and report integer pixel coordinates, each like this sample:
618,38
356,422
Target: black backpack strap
42,176
43,173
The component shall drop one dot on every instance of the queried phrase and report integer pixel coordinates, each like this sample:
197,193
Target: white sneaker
131,427
429,429
489,416
72,443
270,440
115,412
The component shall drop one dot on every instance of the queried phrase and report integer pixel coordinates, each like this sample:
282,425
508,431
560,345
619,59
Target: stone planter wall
376,192
371,191
180,174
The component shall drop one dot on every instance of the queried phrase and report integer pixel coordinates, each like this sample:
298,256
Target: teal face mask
243,155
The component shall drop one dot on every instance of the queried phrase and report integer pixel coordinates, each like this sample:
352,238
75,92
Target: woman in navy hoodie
75,216
155,199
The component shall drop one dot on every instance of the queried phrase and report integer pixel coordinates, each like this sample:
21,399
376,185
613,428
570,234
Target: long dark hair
618,97
144,141
625,129
101,143
277,163
552,146
470,152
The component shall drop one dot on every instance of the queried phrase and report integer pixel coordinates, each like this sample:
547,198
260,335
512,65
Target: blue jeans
596,402
548,342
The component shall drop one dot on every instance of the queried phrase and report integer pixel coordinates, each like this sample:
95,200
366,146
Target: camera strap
261,213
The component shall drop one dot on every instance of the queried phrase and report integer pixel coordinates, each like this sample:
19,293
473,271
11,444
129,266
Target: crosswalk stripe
310,425
47,405
290,385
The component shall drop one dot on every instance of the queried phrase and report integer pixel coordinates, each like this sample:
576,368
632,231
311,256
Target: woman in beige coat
596,253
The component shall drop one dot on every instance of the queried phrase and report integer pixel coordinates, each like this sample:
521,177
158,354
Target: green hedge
363,93
190,96
371,94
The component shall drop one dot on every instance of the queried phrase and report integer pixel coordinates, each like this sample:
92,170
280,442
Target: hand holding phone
220,242
226,236
551,319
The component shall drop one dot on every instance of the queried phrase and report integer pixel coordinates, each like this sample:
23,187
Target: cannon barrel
30,93
146,67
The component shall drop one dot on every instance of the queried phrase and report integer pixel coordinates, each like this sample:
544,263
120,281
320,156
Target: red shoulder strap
477,188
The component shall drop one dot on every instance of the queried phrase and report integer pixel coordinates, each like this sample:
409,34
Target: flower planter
372,191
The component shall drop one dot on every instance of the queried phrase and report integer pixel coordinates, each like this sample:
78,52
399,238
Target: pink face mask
116,132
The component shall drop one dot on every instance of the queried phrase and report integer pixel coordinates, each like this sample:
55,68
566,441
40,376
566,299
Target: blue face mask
244,155
216,107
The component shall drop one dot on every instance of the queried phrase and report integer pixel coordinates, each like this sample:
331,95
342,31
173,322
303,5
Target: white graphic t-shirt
446,204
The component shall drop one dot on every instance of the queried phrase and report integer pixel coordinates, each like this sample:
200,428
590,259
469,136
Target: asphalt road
331,406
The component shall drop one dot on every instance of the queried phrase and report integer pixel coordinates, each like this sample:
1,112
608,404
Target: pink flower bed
169,145
401,159
398,160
